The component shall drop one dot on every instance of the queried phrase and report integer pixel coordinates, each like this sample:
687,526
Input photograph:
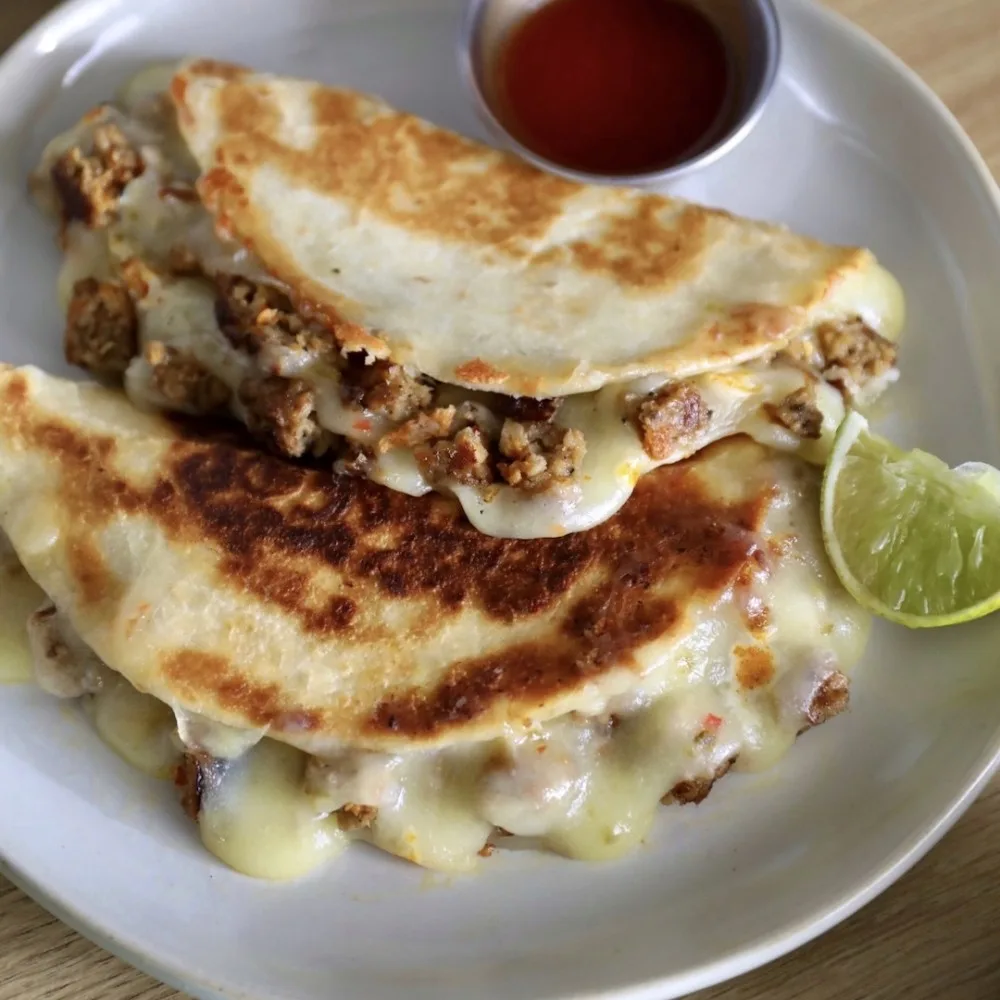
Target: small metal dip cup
749,29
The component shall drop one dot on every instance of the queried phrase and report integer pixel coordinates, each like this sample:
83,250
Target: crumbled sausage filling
854,354
798,413
461,443
384,388
464,458
448,443
184,382
431,425
101,328
536,454
671,418
90,186
255,317
466,443
282,413
848,354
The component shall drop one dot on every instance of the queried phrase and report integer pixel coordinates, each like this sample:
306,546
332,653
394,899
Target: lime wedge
911,540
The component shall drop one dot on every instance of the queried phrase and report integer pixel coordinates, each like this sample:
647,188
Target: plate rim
76,15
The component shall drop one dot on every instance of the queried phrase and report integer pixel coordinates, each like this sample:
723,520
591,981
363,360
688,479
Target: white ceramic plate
852,148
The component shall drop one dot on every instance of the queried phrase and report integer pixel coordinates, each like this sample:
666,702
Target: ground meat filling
355,817
671,419
448,443
464,458
847,354
798,413
102,329
183,381
282,413
461,443
90,186
255,317
384,388
537,455
432,425
854,354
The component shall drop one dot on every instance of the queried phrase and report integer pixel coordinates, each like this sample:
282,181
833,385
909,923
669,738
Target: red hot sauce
612,86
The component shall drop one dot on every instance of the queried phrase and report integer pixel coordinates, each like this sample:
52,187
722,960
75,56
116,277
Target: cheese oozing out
180,312
736,687
19,596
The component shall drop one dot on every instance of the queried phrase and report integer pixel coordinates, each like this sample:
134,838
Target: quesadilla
318,658
435,315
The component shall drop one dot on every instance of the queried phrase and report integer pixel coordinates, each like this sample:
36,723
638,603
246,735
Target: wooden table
933,936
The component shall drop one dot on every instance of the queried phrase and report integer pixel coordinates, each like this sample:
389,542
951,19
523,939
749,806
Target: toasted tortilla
475,268
327,611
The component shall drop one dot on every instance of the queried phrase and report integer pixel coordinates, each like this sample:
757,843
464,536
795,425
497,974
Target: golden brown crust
95,581
754,666
691,791
641,250
831,698
479,372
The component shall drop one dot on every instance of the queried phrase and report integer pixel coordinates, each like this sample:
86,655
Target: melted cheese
429,816
19,597
180,312
258,819
213,738
138,727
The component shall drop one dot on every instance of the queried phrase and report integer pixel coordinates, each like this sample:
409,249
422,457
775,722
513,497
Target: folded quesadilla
317,658
435,315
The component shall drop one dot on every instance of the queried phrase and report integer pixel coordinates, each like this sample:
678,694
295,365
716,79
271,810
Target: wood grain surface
936,934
